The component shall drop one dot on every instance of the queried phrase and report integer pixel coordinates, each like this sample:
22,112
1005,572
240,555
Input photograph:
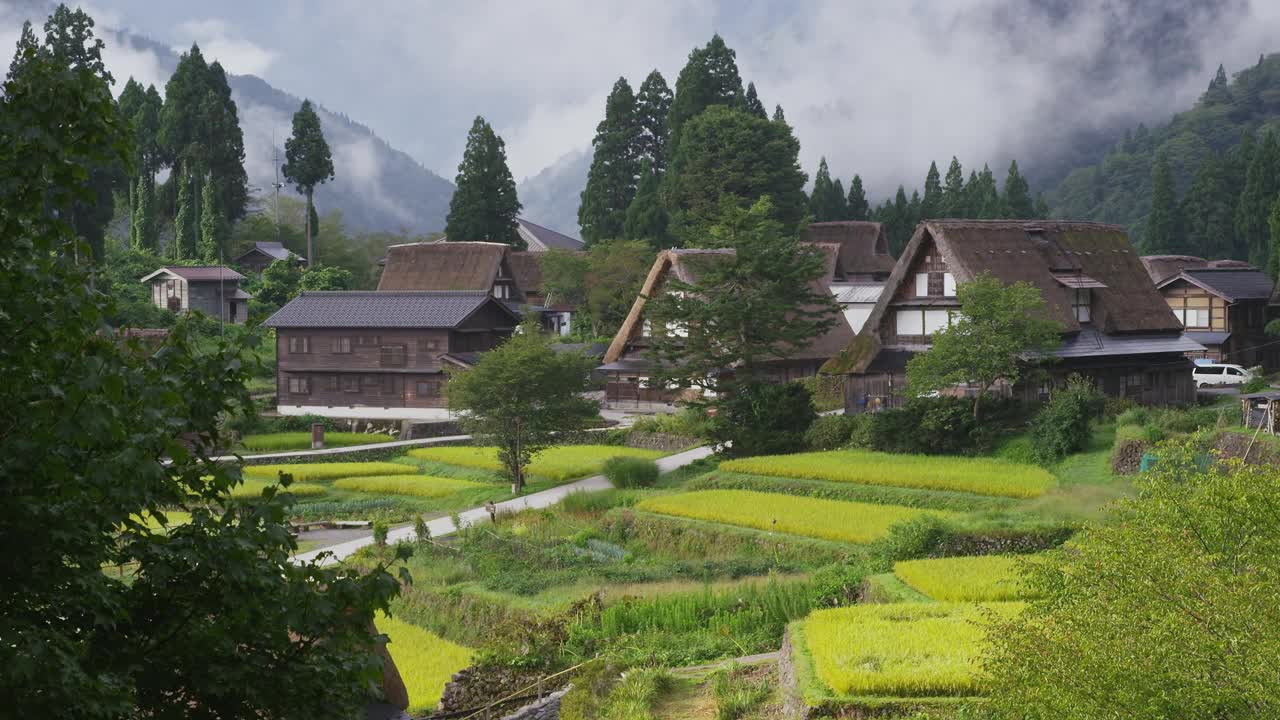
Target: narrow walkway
444,526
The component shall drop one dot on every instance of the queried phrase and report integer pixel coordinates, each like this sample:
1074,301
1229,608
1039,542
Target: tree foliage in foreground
990,340
102,615
519,395
1165,612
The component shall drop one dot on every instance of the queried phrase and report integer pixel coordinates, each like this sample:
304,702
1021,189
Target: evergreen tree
1219,92
1017,194
1042,207
987,203
1273,224
1162,234
646,218
308,162
1262,182
611,181
970,201
653,106
857,207
778,115
1235,171
903,223
752,103
838,200
143,228
210,233
726,152
183,230
953,197
1207,211
931,206
484,205
821,206
710,77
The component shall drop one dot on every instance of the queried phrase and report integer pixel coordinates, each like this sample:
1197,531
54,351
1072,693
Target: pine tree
902,226
987,204
710,77
931,205
1207,211
308,163
953,197
1219,92
210,235
653,106
1017,194
611,181
646,218
1273,223
820,205
838,200
183,230
857,207
752,103
484,205
1161,236
1262,182
778,115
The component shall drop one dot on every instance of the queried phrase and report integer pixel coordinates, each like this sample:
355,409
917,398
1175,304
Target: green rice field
985,577
425,660
417,485
564,462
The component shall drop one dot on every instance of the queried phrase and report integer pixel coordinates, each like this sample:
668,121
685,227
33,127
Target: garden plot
425,660
909,650
812,517
985,577
564,462
982,476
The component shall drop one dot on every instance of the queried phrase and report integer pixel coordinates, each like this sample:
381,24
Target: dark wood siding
383,368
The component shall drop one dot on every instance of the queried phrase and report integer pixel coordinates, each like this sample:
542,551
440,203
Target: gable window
299,386
1082,304
922,284
922,322
342,345
392,356
299,345
501,291
948,285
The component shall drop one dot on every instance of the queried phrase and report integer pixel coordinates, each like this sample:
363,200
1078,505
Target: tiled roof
199,272
1231,283
273,249
378,309
539,238
1091,343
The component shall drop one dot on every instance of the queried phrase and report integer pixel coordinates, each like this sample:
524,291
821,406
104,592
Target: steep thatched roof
448,266
527,270
1051,255
864,249
1163,267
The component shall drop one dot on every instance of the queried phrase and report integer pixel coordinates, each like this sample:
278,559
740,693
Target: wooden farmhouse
1116,327
628,368
211,289
257,258
1223,304
380,354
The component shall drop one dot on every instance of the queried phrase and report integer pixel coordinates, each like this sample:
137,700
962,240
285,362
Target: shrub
329,471
827,391
634,697
761,418
810,517
591,686
419,485
830,432
380,533
984,577
942,426
586,502
631,472
690,422
1257,383
1061,427
1134,416
1018,449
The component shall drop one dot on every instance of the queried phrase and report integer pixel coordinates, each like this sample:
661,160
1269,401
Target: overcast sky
880,88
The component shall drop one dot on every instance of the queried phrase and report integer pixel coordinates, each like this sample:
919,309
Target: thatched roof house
863,249
1115,325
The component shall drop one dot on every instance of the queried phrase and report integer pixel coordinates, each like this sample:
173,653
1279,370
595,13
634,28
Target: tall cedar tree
1017,194
726,153
646,217
751,103
308,162
857,207
904,223
710,77
653,106
984,196
997,328
778,115
1262,183
210,230
520,396
838,200
69,41
211,607
184,238
1273,224
931,205
740,309
953,197
1207,211
142,227
1162,235
615,167
484,205
821,206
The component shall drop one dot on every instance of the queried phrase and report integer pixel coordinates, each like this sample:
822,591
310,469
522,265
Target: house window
935,320
351,383
367,340
333,383
299,345
922,284
393,356
389,385
1082,304
299,386
371,381
342,345
910,322
425,344
501,291
1193,317
948,285
428,388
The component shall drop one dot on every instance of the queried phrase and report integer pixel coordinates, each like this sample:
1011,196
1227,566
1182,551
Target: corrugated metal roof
539,238
859,293
379,309
1091,343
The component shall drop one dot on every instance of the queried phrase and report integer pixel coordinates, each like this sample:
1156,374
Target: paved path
545,498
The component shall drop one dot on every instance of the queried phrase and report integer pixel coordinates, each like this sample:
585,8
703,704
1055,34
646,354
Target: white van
1219,375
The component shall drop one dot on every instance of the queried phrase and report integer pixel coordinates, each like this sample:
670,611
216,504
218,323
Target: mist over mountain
551,197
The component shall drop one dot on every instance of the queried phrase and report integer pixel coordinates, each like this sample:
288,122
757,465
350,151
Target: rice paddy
303,472
985,577
560,463
902,650
812,517
982,476
268,442
252,488
425,660
417,485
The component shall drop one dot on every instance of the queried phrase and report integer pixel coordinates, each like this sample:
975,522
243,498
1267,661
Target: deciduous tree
308,162
484,205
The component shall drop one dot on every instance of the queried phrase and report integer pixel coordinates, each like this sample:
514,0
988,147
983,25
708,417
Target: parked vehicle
1219,375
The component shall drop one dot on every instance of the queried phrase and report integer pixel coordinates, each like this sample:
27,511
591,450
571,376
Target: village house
211,289
1116,328
380,354
861,267
628,369
557,316
263,253
1223,304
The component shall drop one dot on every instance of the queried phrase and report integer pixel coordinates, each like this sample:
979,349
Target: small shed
1261,410
211,289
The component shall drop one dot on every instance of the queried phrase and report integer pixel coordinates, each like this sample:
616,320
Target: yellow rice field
425,660
252,488
983,476
303,472
559,463
828,519
987,577
419,485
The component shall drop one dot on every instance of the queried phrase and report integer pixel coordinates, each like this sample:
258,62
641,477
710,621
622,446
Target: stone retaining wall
476,686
